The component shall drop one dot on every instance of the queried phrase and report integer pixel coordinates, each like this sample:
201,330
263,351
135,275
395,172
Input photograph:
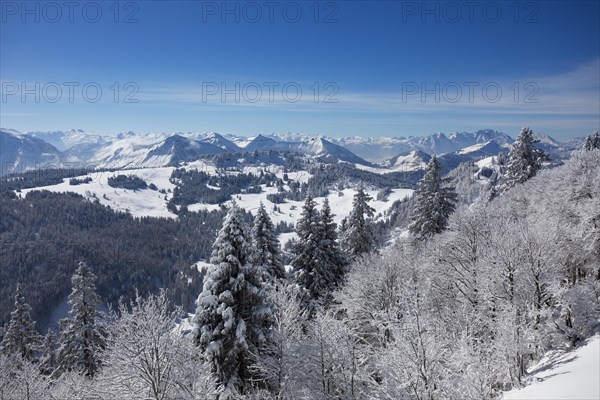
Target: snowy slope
20,152
177,149
411,161
261,142
219,141
484,149
322,148
139,203
573,375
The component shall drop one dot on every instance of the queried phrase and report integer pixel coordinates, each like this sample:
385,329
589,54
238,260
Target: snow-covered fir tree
332,257
358,236
434,203
308,267
233,316
592,142
266,251
524,160
20,336
82,336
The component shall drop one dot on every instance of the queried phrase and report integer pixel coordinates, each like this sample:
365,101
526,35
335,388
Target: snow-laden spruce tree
309,271
20,336
233,318
332,258
592,142
358,236
82,336
434,203
524,160
265,246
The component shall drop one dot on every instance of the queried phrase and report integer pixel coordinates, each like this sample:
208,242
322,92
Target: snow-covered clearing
560,375
140,203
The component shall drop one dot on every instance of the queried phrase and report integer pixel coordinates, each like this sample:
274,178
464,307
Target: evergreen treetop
434,203
358,236
20,337
524,160
307,251
266,249
82,336
233,318
592,142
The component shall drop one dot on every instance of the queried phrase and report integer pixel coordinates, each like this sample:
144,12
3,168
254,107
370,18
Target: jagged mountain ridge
154,150
130,149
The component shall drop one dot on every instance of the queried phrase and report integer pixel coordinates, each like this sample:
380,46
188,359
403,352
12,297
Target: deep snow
564,375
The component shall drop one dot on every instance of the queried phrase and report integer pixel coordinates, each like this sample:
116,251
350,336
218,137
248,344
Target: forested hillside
464,314
45,235
458,308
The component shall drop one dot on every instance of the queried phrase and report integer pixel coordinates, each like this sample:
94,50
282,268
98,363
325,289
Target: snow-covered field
560,375
140,203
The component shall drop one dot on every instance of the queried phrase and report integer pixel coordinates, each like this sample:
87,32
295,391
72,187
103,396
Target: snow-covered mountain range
377,149
24,151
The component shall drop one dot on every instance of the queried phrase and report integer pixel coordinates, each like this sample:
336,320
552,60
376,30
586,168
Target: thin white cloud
572,93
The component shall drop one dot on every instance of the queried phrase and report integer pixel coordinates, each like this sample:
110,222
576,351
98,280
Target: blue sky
377,68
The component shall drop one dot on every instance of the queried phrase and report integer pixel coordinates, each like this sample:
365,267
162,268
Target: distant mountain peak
177,148
262,139
123,135
220,141
261,142
413,160
323,148
546,139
